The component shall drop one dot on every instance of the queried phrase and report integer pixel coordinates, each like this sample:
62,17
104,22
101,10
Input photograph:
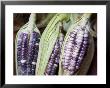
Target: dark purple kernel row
24,54
82,50
33,52
27,52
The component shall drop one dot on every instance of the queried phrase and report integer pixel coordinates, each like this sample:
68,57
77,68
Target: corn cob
22,53
85,64
75,46
52,65
78,51
26,48
47,42
33,52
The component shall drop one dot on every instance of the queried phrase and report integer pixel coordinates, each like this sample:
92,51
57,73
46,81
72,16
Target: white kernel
34,63
69,44
67,51
85,35
73,61
77,67
75,53
70,68
36,44
23,61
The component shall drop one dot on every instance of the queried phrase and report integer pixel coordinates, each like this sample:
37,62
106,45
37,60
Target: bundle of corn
56,52
26,47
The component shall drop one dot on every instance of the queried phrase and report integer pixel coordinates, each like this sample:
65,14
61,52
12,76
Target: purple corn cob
68,49
83,49
55,56
33,52
27,47
19,49
27,52
75,50
22,52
